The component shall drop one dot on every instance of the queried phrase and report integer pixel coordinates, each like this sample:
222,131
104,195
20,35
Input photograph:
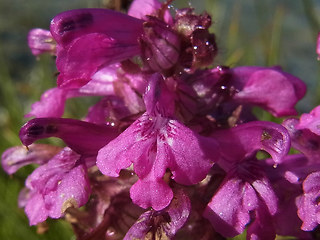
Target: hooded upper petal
272,89
89,39
83,137
246,139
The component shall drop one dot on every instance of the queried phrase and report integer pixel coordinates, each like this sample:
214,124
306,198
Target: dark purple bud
199,45
160,45
82,137
204,48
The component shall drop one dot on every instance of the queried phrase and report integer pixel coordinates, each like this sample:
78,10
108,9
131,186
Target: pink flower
246,190
154,144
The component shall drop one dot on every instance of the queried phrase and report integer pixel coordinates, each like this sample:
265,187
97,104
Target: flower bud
160,45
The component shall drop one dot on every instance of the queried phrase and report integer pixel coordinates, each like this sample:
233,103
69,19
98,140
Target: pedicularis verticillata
170,150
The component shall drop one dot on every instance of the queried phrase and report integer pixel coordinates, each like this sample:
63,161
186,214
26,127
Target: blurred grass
248,33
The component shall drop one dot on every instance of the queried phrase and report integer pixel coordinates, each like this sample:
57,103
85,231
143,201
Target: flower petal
16,157
76,66
310,121
262,227
152,222
35,209
308,203
151,192
247,138
69,25
264,188
73,190
229,209
106,36
270,88
51,104
189,163
303,140
83,137
58,185
160,45
127,148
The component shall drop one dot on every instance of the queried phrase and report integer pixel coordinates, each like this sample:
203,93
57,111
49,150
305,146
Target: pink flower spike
107,37
83,137
40,41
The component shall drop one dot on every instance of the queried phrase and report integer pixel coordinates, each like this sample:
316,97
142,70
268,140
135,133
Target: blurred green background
249,32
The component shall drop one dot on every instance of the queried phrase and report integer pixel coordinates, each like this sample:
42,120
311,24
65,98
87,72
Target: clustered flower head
172,150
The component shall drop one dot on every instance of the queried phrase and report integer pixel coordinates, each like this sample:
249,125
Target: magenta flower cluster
172,150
